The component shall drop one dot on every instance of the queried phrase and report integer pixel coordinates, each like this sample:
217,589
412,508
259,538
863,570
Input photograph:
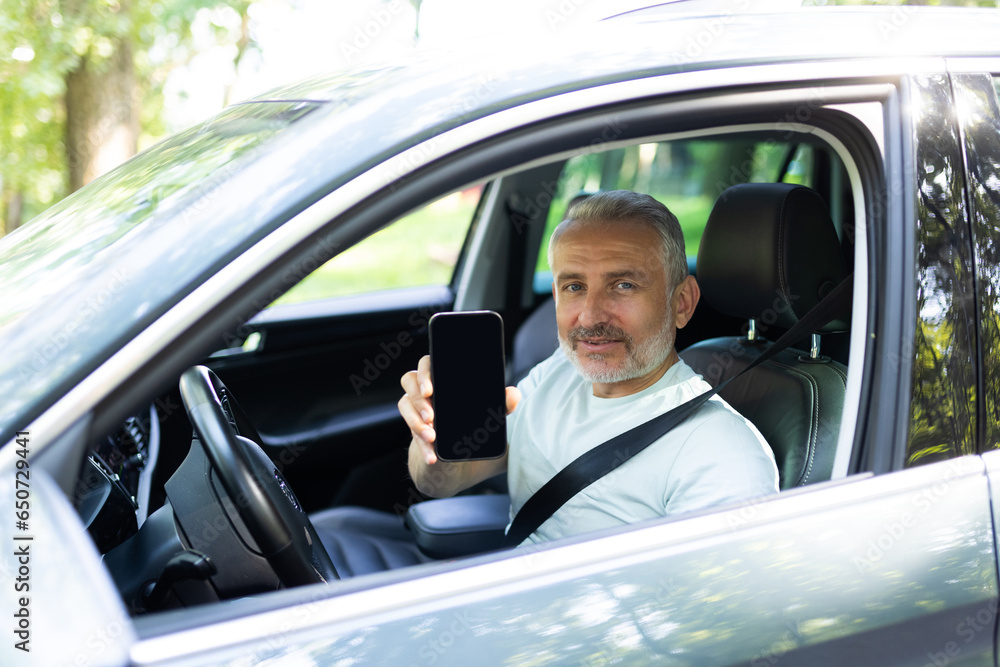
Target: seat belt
602,459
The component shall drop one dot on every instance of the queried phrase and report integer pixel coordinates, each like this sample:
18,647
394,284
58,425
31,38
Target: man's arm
439,479
723,460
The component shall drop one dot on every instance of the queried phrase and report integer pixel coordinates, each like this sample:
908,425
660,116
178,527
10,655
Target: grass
418,249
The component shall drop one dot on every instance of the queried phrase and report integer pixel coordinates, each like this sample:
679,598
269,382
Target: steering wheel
272,515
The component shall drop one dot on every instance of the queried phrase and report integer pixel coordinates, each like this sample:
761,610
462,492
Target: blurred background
85,84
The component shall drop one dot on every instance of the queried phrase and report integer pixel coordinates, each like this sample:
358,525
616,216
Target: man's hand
433,477
416,408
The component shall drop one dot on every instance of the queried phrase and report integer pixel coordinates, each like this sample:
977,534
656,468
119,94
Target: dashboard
113,488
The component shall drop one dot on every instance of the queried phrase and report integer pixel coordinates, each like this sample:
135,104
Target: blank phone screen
467,370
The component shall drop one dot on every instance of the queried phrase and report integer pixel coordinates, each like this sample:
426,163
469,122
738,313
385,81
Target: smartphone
467,370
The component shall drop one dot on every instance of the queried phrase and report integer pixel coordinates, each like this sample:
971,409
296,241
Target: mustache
606,331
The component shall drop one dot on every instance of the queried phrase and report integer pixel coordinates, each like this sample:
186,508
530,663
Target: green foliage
41,41
33,52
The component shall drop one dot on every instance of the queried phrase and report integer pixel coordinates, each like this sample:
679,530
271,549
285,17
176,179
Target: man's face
613,311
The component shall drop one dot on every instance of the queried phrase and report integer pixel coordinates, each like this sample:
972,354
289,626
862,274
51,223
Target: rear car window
686,175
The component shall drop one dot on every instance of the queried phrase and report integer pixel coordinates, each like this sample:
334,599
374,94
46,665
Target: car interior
313,379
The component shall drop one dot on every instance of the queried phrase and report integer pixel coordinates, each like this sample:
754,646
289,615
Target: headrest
770,253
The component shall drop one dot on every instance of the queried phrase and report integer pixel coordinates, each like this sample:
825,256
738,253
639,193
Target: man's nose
595,309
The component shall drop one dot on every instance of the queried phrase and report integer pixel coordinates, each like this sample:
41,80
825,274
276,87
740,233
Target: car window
686,175
419,249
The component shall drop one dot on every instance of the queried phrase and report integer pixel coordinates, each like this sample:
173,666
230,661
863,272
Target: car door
897,569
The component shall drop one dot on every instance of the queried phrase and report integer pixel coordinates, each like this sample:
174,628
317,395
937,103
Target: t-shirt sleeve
528,384
723,460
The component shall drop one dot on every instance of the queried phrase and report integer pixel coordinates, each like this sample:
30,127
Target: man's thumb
513,398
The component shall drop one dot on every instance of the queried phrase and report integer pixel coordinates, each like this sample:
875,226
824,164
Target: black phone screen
467,370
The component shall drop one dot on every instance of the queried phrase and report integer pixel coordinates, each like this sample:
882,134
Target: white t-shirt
714,456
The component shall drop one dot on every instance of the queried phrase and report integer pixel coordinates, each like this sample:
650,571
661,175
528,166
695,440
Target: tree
76,78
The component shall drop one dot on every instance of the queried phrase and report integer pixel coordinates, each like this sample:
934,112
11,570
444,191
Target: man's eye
626,285
573,288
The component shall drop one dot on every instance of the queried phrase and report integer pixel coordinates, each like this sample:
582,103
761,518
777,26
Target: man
621,291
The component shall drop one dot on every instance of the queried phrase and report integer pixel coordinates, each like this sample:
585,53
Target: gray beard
640,358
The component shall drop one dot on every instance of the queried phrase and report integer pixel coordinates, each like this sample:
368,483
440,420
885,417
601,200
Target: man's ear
685,300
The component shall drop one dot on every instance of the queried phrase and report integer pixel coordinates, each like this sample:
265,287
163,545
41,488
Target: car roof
673,38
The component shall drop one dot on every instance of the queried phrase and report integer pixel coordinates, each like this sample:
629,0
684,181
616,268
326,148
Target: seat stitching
813,426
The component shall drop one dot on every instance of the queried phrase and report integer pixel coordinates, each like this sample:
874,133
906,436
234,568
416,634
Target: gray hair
619,206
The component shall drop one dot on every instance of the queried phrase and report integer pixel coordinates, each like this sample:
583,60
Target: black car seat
769,253
535,341
362,540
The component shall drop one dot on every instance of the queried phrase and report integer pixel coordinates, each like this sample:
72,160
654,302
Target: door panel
891,570
322,386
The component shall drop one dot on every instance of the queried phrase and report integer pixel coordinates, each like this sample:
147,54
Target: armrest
460,526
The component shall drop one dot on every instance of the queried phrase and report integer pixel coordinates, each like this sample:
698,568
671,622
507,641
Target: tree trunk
102,119
13,210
